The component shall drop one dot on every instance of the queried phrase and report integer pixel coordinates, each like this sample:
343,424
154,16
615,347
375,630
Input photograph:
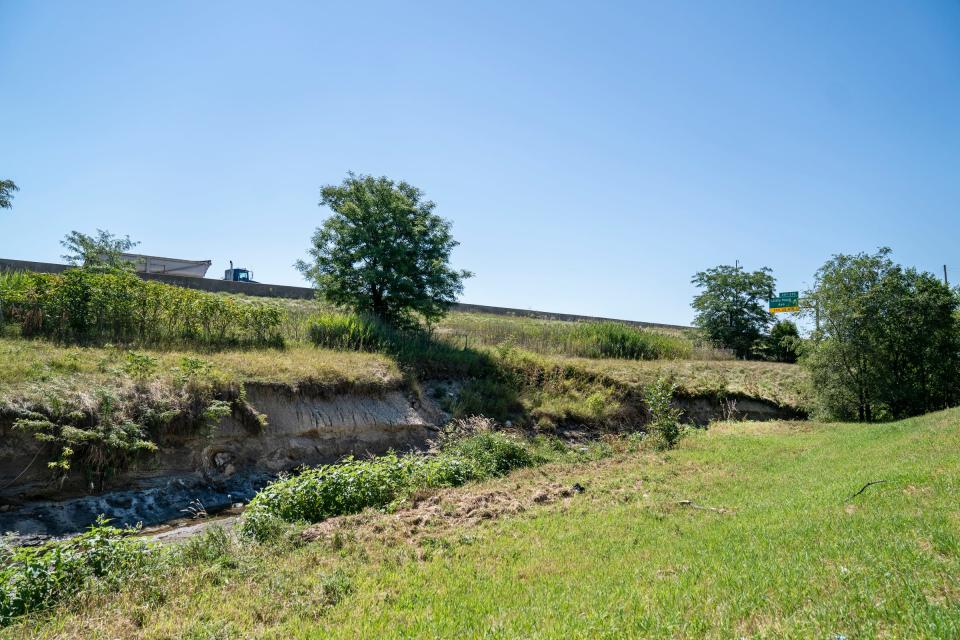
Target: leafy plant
140,366
40,577
100,449
7,188
353,485
664,417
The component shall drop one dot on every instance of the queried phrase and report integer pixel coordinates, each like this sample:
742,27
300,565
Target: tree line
886,338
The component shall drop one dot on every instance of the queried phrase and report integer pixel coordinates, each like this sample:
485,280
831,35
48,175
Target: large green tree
7,188
731,309
888,341
383,251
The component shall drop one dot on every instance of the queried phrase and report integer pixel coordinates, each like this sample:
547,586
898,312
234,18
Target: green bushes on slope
352,485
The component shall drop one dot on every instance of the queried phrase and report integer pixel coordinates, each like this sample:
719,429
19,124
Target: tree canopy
97,253
732,308
888,345
784,343
383,251
7,188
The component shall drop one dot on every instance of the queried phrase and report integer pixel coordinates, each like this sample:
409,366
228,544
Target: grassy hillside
746,530
37,361
548,337
783,384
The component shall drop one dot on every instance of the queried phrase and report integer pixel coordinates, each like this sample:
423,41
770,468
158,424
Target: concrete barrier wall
305,293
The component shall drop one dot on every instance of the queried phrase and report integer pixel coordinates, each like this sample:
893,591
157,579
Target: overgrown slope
751,530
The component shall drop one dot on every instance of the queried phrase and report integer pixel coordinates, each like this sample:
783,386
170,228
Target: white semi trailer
168,266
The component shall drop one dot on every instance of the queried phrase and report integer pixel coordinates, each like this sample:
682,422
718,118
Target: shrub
37,578
495,453
490,396
353,485
664,418
100,449
784,342
617,340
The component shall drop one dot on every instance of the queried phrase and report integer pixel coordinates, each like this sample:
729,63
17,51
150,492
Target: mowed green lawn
789,554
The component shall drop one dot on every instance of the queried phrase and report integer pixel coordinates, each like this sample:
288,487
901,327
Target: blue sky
591,156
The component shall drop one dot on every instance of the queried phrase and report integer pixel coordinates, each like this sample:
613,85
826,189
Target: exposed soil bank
700,410
192,472
216,470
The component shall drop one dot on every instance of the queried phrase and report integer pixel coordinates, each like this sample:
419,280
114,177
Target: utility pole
945,283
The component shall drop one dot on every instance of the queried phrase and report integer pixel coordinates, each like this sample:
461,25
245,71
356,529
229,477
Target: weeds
352,485
37,578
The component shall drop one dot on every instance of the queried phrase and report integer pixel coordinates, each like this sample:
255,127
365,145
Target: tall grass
552,337
414,349
338,330
82,307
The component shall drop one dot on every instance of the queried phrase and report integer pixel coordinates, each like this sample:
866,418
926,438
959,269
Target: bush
100,449
354,485
80,306
37,578
784,342
490,396
495,453
664,418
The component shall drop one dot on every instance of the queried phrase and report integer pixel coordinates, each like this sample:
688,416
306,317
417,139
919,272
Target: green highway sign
785,301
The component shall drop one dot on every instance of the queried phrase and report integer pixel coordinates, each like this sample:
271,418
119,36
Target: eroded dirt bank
211,471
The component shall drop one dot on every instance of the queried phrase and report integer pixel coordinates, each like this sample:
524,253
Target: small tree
383,251
664,417
7,188
784,342
732,308
888,345
101,253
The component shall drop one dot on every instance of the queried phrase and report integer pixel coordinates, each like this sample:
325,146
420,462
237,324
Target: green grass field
771,545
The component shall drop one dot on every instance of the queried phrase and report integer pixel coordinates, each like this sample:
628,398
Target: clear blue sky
591,156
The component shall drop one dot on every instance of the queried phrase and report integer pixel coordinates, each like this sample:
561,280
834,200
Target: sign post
785,302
